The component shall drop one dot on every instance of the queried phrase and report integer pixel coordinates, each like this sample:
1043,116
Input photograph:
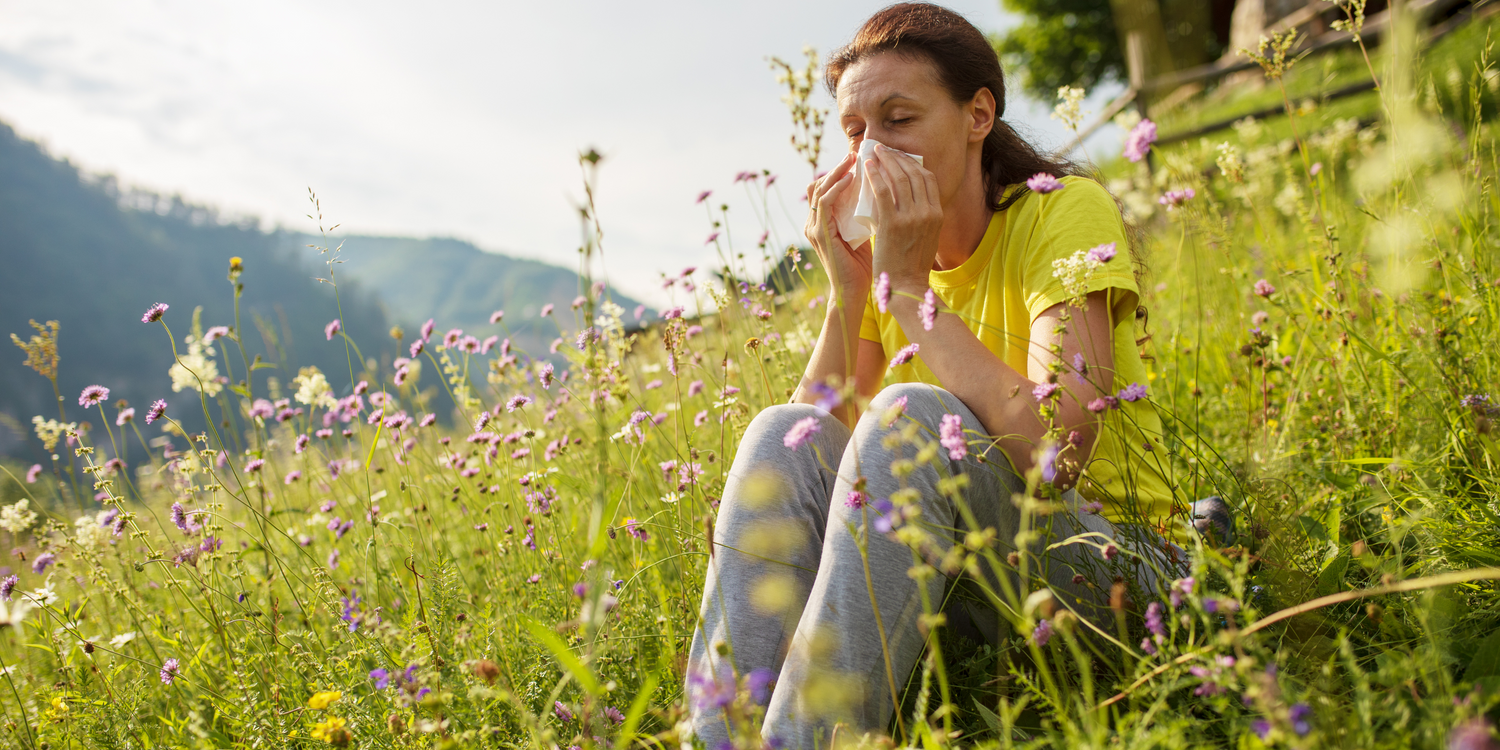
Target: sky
459,119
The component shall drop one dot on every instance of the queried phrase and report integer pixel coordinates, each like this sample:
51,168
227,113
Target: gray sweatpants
788,590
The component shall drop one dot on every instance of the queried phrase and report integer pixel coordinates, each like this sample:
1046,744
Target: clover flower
92,396
856,499
1044,183
883,291
905,354
1139,141
154,313
1264,288
169,668
951,436
801,433
928,310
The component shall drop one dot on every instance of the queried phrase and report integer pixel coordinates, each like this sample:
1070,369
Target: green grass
1338,428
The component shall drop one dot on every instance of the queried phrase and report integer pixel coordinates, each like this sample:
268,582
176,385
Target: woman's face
899,101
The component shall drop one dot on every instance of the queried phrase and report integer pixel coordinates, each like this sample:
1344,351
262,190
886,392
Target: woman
788,591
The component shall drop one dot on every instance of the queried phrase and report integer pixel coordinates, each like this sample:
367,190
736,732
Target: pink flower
488,343
92,395
905,354
1044,391
579,301
1175,198
1102,254
417,347
711,238
1140,139
700,418
426,330
672,313
1263,288
893,412
157,411
291,476
32,473
452,337
1044,183
217,332
928,310
254,465
951,435
695,388
882,291
332,329
703,196
125,416
427,420
856,499
546,309
801,432
154,313
496,316
639,311
517,402
1103,403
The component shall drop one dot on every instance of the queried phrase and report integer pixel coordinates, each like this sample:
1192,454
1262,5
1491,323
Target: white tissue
855,215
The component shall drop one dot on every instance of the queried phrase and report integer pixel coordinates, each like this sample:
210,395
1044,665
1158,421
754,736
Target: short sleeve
869,326
1081,216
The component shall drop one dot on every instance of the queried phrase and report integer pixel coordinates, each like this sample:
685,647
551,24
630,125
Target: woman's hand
909,217
848,268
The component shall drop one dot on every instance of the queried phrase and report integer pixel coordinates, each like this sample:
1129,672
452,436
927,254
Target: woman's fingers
827,181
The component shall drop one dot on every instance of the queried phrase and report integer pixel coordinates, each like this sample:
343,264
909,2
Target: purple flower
759,683
154,313
157,411
546,310
951,436
1044,391
292,476
928,310
1263,288
829,397
1044,183
125,416
32,473
1299,715
8,587
905,354
1473,734
417,347
1174,198
1140,139
1261,728
254,465
382,678
856,499
562,711
332,329
801,432
427,420
42,562
1102,253
1154,622
1042,633
711,238
710,691
703,196
580,589
1103,403
1110,552
333,559
672,313
636,529
882,291
169,668
517,402
452,337
1133,392
1048,460
92,395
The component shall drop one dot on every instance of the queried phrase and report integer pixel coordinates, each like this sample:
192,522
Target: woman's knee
773,421
919,401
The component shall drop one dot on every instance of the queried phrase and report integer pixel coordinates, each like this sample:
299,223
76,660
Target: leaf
1486,661
1312,528
637,710
563,654
989,716
1331,579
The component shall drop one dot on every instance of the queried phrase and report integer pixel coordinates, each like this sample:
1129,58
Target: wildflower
1180,588
711,237
700,418
254,465
1263,288
417,347
1110,552
1044,391
856,499
1044,183
332,329
92,395
1473,734
653,384
332,731
893,412
19,517
333,559
951,435
1070,109
322,700
516,402
1103,403
801,432
695,388
1101,253
636,529
1148,646
1133,392
905,354
382,678
562,711
883,291
452,337
703,196
673,313
1139,141
8,587
1042,633
1154,622
292,476
427,420
928,310
546,310
169,668
1174,198
215,333
154,313
42,562
712,691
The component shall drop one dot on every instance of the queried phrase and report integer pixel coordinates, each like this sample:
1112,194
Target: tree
1061,43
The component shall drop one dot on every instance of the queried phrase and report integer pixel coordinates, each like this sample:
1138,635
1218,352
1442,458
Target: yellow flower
331,730
320,701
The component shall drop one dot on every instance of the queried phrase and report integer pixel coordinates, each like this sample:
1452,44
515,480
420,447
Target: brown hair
966,63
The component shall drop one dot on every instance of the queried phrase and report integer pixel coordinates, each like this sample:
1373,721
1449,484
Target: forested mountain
459,286
76,248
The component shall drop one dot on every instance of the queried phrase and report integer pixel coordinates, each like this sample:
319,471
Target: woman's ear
982,115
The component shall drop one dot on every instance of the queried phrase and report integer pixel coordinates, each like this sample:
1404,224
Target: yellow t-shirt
1008,282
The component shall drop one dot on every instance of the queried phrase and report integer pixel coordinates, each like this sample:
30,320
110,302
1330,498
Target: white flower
89,530
43,596
1074,272
671,498
313,388
17,518
13,612
1070,108
195,371
122,639
50,430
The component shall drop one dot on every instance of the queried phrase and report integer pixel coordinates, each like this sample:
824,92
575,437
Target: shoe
1214,520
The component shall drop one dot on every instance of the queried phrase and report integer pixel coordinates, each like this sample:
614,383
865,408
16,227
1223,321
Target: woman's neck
965,220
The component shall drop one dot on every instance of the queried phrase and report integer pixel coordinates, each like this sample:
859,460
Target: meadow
329,563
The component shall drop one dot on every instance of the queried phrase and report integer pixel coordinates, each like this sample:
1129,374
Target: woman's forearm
834,354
